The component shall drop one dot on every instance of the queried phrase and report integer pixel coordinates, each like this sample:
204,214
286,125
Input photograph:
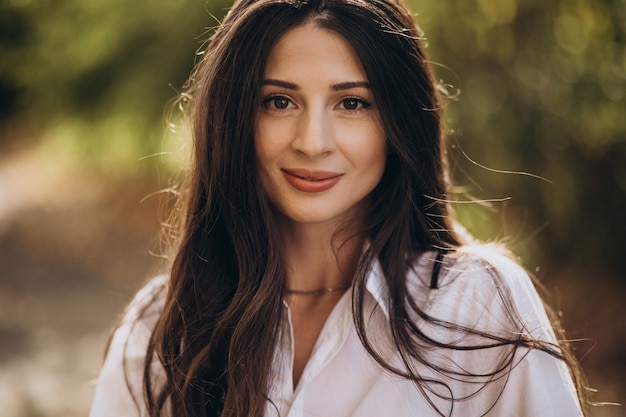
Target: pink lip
310,181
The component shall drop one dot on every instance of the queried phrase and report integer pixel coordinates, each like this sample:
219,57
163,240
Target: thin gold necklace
320,291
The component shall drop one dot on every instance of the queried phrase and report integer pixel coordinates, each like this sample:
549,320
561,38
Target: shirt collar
377,287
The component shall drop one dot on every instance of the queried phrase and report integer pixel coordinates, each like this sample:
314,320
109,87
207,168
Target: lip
311,181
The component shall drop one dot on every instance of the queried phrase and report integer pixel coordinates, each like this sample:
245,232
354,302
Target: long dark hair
217,333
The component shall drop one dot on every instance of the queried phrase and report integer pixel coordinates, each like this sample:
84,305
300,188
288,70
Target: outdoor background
85,148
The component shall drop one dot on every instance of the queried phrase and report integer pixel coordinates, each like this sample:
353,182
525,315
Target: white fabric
341,379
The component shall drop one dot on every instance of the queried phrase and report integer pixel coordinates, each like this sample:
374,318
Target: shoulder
119,388
483,287
484,304
140,316
147,305
482,263
485,267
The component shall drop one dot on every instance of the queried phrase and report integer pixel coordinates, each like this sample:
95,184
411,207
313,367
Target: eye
353,103
277,103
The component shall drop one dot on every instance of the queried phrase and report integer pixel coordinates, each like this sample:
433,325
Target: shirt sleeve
119,387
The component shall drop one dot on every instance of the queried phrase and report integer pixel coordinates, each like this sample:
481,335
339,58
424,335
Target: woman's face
319,139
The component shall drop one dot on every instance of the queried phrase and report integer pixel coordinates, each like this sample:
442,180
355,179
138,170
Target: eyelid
267,99
362,102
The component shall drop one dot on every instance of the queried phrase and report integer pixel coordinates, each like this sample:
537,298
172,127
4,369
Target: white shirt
342,379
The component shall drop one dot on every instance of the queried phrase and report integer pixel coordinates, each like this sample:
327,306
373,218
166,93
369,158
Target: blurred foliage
542,90
92,78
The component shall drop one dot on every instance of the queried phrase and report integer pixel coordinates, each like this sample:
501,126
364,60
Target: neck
319,257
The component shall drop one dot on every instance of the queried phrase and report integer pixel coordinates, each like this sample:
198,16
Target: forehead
310,50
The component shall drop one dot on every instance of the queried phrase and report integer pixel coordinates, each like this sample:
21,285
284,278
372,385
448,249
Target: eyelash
359,101
267,102
364,105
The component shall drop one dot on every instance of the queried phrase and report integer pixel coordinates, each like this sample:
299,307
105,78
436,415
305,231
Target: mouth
311,175
311,181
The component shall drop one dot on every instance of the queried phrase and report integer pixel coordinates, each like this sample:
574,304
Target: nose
314,136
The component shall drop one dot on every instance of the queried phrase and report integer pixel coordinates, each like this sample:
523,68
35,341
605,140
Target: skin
321,149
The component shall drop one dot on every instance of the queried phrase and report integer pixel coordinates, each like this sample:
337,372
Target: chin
308,218
325,215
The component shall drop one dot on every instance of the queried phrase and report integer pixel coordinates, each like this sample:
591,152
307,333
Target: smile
309,181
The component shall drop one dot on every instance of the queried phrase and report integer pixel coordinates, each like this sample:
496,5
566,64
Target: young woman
319,270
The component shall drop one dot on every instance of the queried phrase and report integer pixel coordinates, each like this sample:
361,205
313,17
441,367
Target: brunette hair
216,336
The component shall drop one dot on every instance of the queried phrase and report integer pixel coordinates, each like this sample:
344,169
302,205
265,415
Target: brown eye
351,104
280,103
354,104
277,103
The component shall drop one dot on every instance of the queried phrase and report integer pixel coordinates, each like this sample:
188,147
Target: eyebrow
335,87
350,84
279,83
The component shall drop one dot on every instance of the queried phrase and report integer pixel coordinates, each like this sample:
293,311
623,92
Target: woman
319,270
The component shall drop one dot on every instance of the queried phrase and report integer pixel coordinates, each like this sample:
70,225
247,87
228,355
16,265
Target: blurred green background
86,147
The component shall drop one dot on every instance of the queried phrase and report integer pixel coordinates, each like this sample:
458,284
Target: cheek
262,146
377,164
372,153
269,141
267,150
378,158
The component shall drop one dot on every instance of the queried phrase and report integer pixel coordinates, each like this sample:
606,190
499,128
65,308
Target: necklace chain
320,291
